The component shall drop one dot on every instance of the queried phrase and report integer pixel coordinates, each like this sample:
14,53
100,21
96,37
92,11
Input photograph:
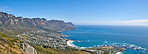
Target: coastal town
45,39
55,40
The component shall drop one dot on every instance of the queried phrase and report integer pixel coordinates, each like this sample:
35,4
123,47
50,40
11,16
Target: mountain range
12,24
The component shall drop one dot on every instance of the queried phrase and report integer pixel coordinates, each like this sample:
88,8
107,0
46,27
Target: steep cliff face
10,22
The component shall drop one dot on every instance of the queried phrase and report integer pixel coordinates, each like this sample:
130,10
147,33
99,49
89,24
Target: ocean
125,36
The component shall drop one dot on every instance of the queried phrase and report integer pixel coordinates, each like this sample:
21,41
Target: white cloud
133,21
143,22
4,9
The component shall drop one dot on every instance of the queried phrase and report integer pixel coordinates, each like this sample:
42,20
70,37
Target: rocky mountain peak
9,21
5,15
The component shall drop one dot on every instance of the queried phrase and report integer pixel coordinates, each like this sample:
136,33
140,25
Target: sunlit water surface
125,36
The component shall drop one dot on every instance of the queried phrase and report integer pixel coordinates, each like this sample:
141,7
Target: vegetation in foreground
9,45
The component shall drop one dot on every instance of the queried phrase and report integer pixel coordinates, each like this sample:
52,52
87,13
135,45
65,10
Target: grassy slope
9,45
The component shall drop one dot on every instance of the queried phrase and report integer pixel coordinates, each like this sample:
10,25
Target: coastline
118,53
70,44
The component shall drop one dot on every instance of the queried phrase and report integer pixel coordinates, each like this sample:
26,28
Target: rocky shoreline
100,50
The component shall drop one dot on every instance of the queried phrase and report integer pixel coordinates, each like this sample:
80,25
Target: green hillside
10,45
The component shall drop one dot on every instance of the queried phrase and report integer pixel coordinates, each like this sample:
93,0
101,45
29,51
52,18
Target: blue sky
82,12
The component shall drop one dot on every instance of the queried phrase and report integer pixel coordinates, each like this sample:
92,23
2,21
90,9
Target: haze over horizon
82,12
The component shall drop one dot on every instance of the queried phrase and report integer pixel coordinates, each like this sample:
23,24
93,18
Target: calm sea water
126,36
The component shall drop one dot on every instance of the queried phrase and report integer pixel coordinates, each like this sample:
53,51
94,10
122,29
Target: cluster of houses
45,39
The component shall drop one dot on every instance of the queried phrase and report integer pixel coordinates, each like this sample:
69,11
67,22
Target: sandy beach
70,43
119,53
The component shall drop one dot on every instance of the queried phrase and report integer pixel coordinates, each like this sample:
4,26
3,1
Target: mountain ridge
11,22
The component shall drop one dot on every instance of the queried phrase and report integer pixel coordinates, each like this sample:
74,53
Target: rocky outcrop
28,49
12,22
